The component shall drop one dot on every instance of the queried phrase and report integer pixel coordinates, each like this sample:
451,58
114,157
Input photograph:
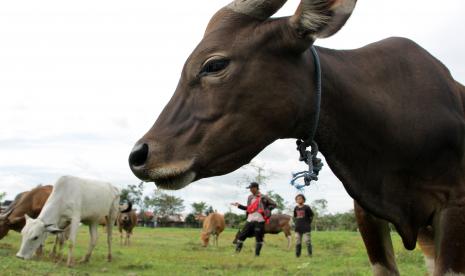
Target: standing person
258,212
303,216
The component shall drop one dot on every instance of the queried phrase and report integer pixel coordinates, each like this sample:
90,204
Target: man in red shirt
258,212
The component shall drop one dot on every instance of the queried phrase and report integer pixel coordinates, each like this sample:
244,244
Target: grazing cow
278,223
16,221
73,200
213,225
126,223
28,203
391,119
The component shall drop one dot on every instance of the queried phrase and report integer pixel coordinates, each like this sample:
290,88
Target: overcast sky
82,81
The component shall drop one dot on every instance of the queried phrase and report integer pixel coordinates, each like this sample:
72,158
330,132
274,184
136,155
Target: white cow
73,200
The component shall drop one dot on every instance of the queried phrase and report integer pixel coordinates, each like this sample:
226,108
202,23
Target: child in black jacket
303,216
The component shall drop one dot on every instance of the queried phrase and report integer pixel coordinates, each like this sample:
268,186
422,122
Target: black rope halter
310,157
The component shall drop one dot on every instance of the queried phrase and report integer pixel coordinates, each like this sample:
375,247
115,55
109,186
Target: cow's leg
377,238
53,254
58,246
93,229
121,234
74,227
40,250
127,238
110,221
288,234
426,243
62,237
449,225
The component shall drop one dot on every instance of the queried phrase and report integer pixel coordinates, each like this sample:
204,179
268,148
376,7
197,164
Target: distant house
146,219
176,220
149,219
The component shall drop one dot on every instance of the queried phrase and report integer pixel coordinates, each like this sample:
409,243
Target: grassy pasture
171,251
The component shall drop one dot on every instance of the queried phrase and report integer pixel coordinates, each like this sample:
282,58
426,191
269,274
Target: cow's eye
214,66
35,238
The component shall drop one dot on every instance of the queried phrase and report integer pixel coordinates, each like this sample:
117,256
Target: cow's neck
337,135
50,214
347,134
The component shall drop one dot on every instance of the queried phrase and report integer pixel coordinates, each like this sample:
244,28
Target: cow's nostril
139,155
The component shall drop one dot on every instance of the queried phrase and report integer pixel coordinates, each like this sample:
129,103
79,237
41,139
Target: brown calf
214,225
126,222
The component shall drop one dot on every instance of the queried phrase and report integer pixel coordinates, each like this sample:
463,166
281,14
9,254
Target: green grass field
171,251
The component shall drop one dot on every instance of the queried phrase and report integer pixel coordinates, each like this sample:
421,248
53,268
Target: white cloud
80,82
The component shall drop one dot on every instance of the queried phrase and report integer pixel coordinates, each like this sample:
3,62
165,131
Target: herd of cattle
50,209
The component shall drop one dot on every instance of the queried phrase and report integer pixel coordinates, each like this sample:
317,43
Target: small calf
126,222
212,225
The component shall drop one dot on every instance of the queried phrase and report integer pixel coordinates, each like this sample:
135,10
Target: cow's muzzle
173,175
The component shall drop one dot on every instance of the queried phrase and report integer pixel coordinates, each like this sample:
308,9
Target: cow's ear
28,218
321,18
53,229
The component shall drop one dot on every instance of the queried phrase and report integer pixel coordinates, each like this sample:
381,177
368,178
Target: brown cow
5,227
278,223
28,203
126,222
214,225
392,118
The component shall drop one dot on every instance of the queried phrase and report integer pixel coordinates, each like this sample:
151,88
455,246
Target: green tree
164,204
259,174
233,220
2,196
192,221
133,193
199,208
319,207
347,221
280,203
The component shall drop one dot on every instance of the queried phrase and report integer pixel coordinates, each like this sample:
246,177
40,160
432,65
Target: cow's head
33,235
4,224
4,229
125,218
205,237
246,85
